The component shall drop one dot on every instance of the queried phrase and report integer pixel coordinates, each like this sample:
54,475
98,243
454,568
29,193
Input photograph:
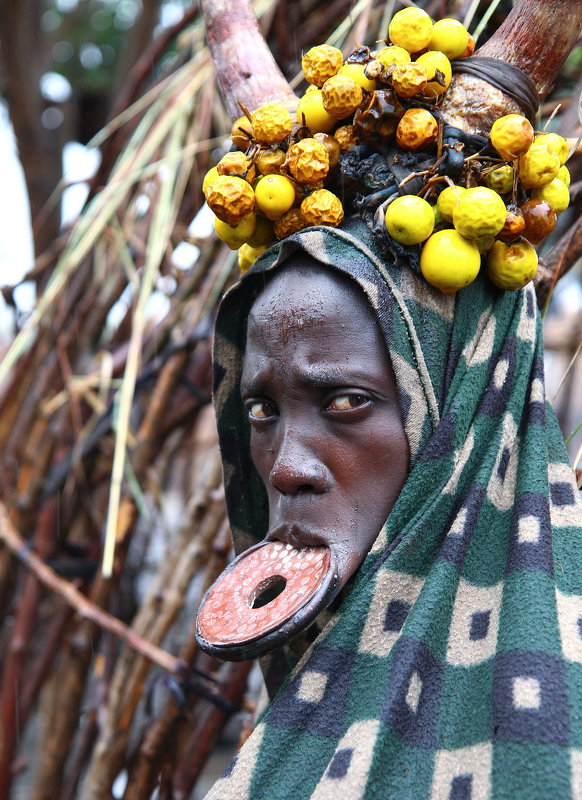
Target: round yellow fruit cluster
275,184
502,202
276,187
480,215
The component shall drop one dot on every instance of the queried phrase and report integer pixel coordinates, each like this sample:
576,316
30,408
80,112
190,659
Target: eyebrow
318,377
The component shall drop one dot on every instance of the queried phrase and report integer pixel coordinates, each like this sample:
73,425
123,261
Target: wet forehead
320,326
309,296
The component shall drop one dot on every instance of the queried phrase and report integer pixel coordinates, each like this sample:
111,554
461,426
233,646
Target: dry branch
245,67
84,607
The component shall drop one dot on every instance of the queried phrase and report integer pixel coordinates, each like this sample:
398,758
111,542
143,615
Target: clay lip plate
230,627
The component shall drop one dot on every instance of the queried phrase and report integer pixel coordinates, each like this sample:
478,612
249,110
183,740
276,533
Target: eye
261,409
347,402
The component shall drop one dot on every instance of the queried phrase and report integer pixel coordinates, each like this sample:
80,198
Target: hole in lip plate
266,591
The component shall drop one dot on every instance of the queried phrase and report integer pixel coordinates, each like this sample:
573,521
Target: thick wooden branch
245,67
537,37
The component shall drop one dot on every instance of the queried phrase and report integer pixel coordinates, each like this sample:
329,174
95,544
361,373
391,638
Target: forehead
308,316
306,295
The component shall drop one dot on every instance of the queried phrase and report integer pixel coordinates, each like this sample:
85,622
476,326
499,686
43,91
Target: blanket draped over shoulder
452,667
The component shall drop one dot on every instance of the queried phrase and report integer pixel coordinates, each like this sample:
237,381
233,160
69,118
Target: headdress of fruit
493,206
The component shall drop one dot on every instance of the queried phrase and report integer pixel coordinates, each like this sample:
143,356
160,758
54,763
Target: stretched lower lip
231,626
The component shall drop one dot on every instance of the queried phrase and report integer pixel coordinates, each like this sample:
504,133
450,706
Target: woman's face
326,432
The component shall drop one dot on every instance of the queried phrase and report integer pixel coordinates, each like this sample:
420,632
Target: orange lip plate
259,592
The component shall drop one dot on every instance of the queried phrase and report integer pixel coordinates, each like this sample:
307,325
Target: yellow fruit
393,55
433,61
357,74
408,80
409,219
263,233
289,223
237,164
555,193
480,212
439,220
332,147
341,96
247,256
346,137
322,208
448,199
230,198
241,132
274,195
511,136
511,266
564,175
321,63
417,129
448,261
537,167
501,179
269,162
209,178
450,37
271,123
556,144
235,235
410,28
484,243
307,161
310,112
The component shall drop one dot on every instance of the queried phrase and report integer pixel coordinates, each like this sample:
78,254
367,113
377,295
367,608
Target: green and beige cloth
452,668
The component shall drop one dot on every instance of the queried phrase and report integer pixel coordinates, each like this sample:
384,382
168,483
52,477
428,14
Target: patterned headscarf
452,670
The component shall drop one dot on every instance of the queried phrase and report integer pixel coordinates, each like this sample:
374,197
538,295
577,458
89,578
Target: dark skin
326,432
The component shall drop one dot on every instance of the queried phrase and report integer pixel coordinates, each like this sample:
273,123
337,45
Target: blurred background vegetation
112,520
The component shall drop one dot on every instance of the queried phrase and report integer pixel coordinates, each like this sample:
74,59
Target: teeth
288,547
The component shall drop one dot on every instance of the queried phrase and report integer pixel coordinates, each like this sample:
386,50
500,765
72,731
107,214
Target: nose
297,468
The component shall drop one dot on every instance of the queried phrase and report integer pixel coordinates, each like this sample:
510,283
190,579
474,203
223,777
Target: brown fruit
242,132
379,116
289,223
346,137
514,225
331,145
270,162
540,220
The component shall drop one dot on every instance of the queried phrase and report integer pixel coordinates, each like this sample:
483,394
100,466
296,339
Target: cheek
261,454
387,460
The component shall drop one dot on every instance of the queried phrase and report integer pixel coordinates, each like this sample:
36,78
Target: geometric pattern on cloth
463,774
474,624
452,666
394,595
347,771
570,617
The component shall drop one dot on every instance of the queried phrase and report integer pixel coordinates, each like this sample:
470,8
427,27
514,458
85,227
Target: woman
451,665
